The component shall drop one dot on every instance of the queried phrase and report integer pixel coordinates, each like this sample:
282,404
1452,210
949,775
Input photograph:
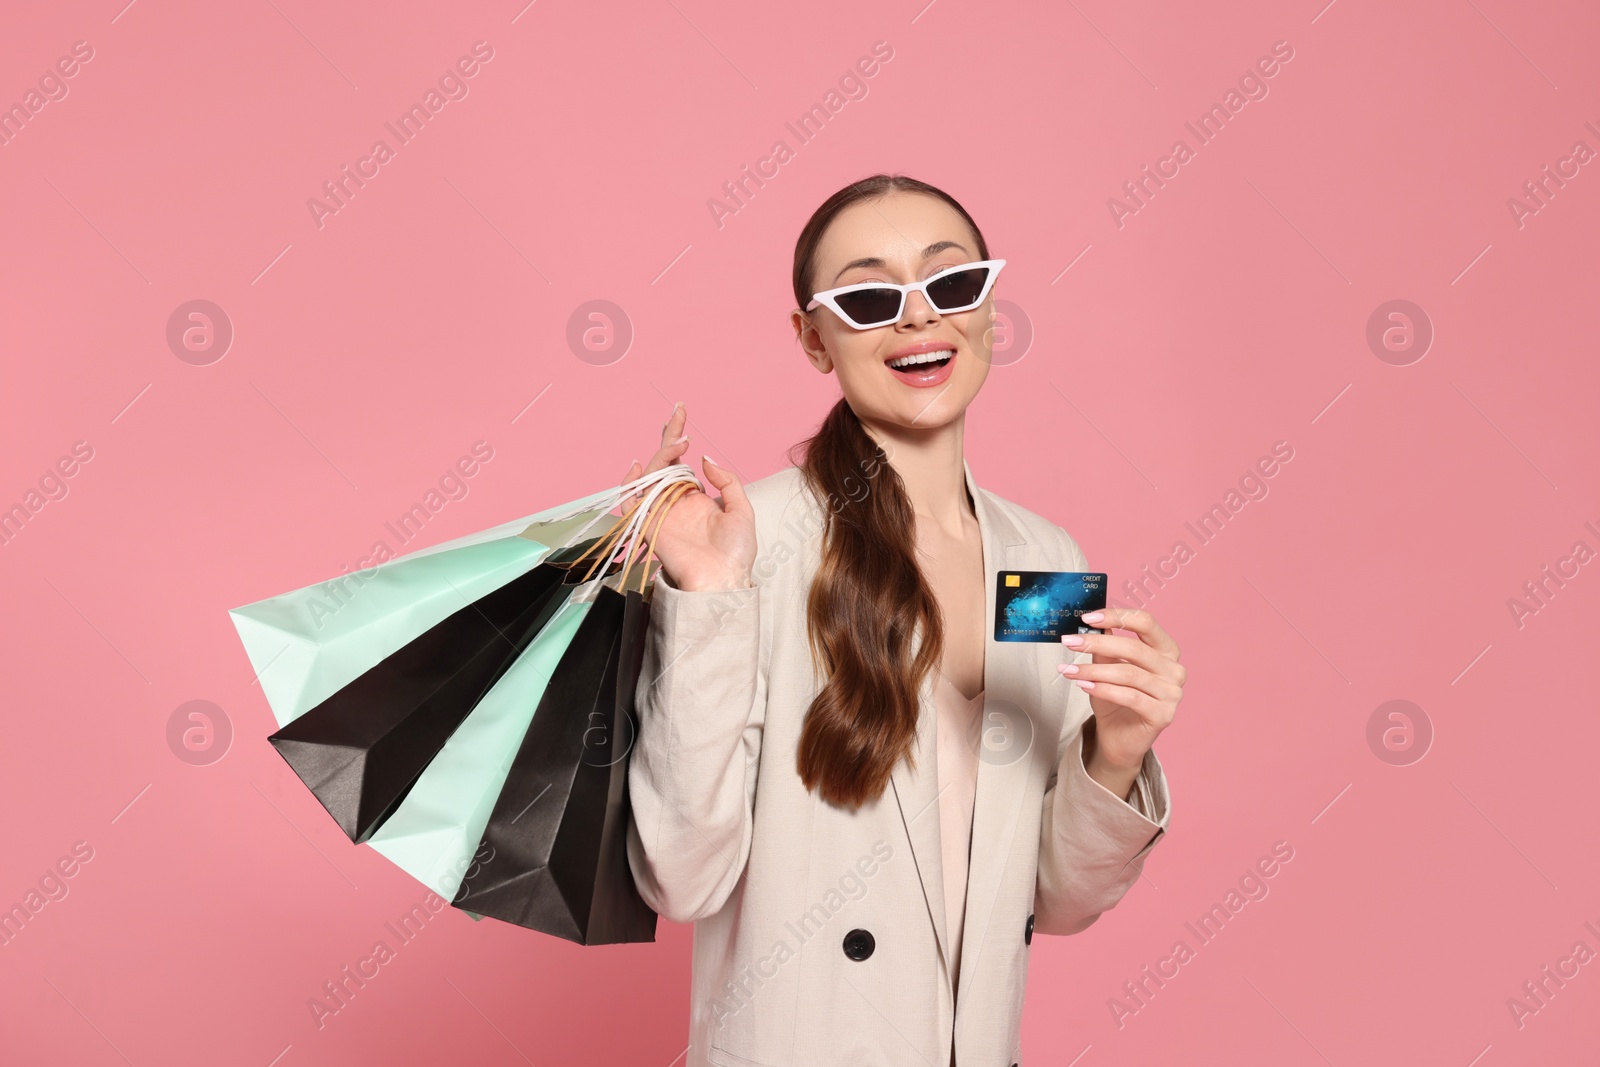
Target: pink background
1229,313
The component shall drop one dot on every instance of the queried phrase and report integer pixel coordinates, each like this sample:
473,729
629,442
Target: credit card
1043,605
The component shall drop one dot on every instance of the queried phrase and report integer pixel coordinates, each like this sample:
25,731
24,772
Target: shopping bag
360,750
364,746
307,644
434,831
554,852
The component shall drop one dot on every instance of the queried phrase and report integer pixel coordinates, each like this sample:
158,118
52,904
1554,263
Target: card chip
1013,580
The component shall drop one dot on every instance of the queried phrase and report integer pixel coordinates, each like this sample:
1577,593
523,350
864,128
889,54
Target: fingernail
1067,668
678,405
1093,616
680,440
1083,683
709,460
1072,639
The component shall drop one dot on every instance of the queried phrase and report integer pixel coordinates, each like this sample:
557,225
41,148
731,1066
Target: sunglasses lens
870,306
958,291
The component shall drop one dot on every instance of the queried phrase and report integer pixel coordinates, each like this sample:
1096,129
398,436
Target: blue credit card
1043,605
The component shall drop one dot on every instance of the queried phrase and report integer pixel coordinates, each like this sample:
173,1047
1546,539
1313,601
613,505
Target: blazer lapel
1008,745
916,791
1009,687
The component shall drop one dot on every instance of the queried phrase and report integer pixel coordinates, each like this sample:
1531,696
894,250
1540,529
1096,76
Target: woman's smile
923,365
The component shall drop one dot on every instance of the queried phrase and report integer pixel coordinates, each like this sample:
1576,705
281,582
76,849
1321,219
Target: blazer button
858,944
1027,939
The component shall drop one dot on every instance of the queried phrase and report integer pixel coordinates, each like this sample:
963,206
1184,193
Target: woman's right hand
703,544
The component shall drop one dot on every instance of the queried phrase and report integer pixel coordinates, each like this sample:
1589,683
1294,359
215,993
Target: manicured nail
1084,682
1067,668
1093,616
680,440
709,460
1072,639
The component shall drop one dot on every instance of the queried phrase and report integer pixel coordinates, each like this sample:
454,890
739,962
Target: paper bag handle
671,497
671,483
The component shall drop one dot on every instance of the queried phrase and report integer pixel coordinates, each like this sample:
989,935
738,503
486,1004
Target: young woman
865,804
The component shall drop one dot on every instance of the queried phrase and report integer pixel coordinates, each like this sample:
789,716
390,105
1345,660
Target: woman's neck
931,465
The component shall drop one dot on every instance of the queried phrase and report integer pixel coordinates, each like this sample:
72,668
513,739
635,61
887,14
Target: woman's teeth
922,357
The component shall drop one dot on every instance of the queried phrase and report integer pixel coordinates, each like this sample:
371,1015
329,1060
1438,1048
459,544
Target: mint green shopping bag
307,644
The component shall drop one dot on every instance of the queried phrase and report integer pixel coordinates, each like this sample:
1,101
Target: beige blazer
819,936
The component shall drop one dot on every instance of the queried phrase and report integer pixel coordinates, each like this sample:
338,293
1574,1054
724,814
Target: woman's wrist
1117,779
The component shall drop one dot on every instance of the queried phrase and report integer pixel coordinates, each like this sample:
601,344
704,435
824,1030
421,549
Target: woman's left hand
1134,685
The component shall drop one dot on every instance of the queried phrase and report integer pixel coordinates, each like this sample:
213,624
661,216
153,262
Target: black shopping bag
554,854
361,750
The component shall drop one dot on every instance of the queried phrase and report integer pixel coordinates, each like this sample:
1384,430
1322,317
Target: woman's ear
809,339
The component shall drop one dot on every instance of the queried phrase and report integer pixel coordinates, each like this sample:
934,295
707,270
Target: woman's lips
925,375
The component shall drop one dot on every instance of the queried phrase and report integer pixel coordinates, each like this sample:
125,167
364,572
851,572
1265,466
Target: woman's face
907,237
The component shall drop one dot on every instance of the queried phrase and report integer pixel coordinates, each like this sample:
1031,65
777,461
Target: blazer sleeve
1092,843
701,703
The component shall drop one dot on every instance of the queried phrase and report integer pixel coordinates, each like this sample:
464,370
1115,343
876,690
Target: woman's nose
918,309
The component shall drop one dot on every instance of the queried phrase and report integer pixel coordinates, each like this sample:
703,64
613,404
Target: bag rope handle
673,482
672,496
672,473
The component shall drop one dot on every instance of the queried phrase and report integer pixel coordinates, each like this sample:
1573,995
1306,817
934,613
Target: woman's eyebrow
874,261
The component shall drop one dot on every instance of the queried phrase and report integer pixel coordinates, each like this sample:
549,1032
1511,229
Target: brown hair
869,594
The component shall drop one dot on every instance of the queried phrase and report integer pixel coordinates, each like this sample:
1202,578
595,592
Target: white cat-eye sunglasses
872,304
